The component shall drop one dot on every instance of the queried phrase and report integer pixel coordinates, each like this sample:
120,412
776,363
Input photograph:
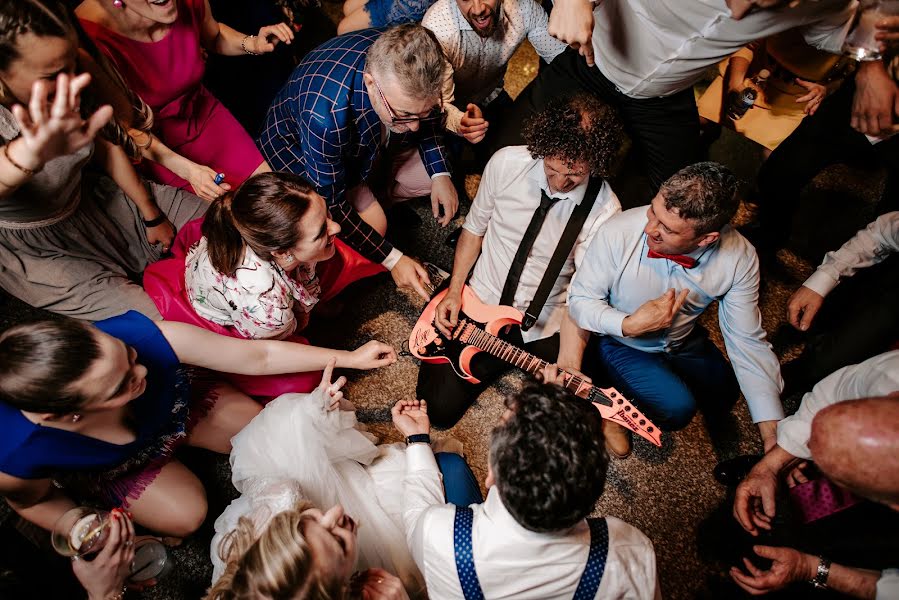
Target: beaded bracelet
243,44
25,170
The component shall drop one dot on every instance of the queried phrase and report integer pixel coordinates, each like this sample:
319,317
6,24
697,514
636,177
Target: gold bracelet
25,170
243,44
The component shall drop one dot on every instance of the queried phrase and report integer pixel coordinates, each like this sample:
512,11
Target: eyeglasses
437,114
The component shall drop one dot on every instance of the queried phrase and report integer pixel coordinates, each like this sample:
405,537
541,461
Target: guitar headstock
615,407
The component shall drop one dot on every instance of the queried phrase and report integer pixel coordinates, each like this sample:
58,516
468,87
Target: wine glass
860,43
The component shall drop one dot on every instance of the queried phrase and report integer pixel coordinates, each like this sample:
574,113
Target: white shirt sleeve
877,376
484,202
829,33
754,362
868,247
423,488
588,298
888,585
536,22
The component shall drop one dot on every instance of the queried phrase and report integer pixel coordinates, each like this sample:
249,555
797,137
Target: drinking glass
860,43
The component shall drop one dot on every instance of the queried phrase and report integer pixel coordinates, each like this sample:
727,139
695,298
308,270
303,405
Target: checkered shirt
322,126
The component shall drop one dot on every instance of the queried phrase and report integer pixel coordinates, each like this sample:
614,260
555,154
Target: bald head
856,444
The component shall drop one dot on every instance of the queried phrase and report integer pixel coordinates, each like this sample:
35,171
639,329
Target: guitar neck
477,337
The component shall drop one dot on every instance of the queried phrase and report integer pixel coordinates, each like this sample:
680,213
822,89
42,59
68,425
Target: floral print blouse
260,301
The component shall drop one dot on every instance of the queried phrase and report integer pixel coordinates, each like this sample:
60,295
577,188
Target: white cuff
420,457
821,283
392,258
611,321
440,174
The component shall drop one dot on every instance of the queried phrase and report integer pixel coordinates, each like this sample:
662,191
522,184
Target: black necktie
524,249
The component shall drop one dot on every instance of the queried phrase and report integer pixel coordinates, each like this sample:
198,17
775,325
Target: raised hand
473,127
571,21
372,355
654,315
54,128
334,390
269,36
802,307
787,566
410,417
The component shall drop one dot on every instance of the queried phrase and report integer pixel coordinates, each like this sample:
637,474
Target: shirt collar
538,175
500,517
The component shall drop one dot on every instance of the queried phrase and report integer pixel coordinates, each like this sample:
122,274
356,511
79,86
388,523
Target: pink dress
168,76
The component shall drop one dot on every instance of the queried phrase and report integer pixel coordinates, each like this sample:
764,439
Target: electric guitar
477,330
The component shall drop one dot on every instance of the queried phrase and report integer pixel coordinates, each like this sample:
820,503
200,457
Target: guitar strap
563,249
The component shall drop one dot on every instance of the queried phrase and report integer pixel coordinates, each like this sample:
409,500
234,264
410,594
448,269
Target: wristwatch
820,578
419,438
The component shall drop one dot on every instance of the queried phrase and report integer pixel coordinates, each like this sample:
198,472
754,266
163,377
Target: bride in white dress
309,448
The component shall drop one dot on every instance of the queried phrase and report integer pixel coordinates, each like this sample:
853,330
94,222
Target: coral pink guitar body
478,330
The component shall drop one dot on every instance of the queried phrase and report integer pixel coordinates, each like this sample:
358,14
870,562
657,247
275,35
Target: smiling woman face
114,379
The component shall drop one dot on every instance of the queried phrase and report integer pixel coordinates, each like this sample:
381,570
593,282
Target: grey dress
71,242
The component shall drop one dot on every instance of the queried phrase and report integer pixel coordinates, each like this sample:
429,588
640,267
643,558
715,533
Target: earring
289,259
118,4
76,417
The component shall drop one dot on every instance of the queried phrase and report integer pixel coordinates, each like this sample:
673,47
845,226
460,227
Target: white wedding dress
298,449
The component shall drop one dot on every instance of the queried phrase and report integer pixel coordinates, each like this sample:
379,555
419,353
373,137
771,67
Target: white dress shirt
616,278
868,247
651,48
508,195
877,376
511,561
479,64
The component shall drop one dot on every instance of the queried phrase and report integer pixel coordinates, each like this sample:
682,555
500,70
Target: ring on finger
129,543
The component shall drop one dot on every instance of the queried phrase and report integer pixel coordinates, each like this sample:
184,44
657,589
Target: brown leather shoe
618,439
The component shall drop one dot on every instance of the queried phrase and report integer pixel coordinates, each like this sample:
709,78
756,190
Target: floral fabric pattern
261,300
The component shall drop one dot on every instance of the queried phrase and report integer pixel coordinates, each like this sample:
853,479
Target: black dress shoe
732,471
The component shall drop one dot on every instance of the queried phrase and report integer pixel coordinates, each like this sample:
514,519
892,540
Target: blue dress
387,13
97,470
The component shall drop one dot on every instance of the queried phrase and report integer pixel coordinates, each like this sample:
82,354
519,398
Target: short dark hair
549,458
264,213
40,361
705,193
578,127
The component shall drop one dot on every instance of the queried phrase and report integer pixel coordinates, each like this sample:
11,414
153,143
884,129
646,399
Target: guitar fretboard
477,337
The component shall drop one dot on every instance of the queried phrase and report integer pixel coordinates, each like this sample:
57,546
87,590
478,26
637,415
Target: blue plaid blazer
322,126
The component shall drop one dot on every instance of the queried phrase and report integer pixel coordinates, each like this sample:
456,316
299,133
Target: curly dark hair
705,193
578,127
549,458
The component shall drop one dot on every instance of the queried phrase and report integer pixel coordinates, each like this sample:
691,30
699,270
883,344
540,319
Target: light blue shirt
616,278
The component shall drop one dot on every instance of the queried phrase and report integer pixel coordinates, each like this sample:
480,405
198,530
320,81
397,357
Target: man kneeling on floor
530,539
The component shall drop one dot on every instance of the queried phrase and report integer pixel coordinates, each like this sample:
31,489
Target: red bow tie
687,262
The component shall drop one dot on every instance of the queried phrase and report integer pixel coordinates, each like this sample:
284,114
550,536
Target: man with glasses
362,119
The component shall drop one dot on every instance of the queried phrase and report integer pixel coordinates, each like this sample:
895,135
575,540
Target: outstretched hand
787,566
54,128
802,307
372,355
410,417
269,36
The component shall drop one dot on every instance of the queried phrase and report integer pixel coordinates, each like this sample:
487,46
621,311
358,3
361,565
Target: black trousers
664,131
859,319
449,396
824,139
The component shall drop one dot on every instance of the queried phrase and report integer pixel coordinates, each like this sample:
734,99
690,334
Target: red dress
168,76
